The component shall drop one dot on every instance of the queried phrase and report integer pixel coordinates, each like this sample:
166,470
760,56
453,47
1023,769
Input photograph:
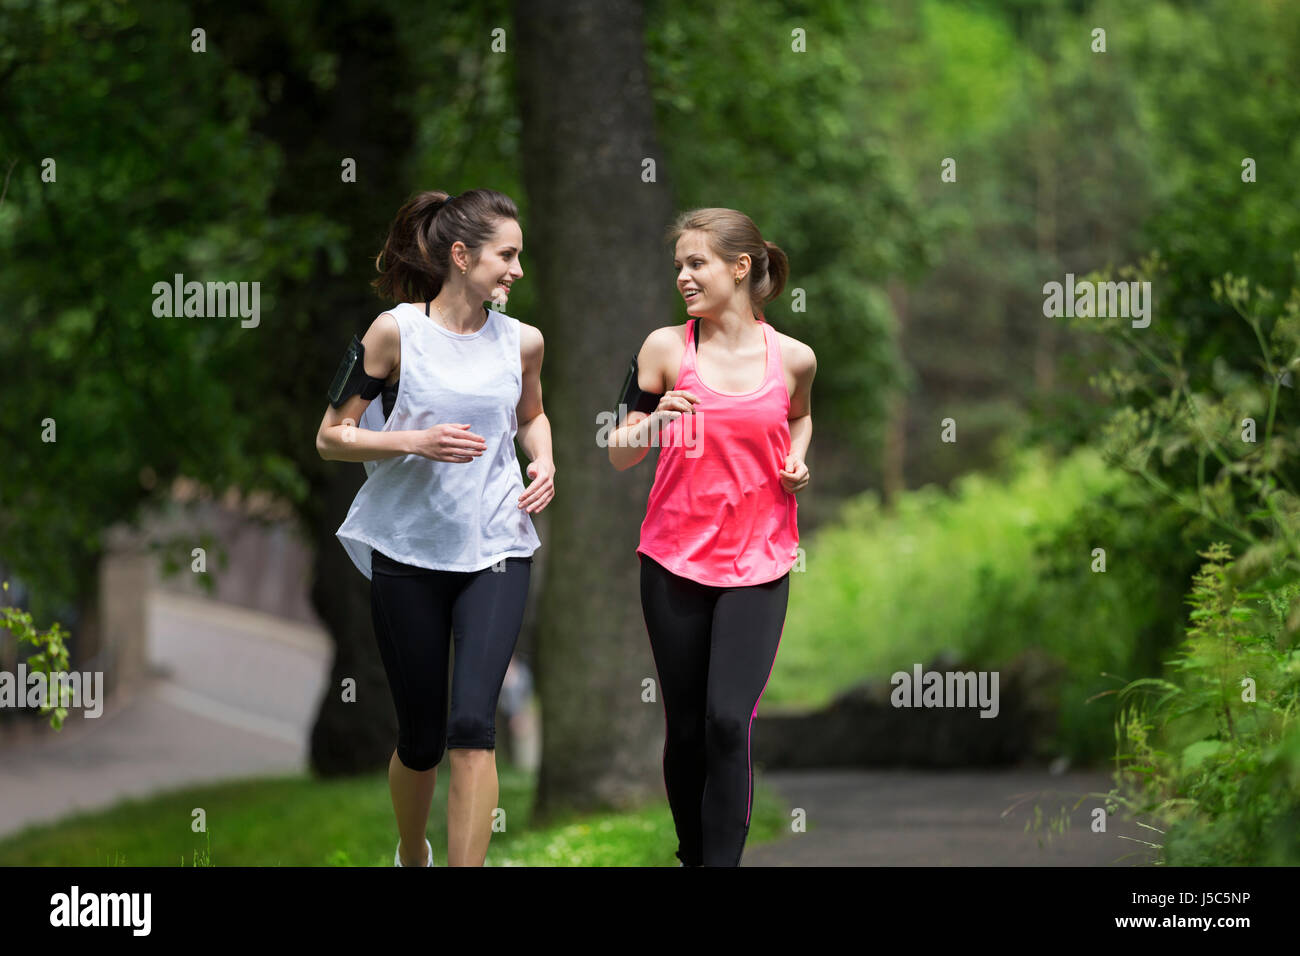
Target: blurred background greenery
922,299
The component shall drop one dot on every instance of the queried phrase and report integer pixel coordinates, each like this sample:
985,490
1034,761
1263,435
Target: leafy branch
50,659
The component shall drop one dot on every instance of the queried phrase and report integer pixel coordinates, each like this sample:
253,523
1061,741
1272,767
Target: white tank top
449,516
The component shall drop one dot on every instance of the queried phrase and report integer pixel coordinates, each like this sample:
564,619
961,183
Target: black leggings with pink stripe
714,648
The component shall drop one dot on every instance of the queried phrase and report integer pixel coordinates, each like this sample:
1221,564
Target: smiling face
706,281
497,266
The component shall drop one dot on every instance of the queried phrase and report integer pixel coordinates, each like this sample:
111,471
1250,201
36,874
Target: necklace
444,318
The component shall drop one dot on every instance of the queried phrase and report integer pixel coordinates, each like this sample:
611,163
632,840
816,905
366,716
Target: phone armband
632,398
351,378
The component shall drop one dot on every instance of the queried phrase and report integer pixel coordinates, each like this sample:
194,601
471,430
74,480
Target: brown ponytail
778,270
731,233
417,253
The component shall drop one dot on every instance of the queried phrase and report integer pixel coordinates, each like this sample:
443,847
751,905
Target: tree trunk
601,266
360,735
363,115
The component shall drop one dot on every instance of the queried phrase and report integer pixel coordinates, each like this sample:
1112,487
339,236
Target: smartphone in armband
631,395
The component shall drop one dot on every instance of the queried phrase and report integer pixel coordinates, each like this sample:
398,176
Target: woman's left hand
794,476
541,489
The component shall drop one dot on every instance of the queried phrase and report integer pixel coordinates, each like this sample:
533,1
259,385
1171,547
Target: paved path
235,695
908,817
236,692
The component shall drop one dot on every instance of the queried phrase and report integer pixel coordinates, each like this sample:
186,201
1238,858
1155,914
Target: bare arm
340,438
534,431
803,366
630,442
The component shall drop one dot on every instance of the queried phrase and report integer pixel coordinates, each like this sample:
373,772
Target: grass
881,591
302,821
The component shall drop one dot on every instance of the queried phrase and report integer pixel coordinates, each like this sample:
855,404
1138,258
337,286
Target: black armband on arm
632,397
351,378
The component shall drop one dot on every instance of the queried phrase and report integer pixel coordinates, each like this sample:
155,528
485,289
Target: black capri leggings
714,648
415,611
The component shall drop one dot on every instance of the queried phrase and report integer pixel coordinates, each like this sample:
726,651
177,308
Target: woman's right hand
674,404
451,442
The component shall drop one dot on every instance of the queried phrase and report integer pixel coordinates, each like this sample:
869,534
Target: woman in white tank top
442,525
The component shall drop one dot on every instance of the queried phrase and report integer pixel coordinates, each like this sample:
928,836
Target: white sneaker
397,854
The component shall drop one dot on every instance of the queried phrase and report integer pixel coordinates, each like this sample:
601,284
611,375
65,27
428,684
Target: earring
738,278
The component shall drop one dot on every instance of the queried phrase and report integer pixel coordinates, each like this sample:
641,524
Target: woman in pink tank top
733,422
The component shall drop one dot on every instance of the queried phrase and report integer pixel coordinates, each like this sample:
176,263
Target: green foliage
1214,752
1210,748
1200,406
1105,626
51,656
1215,88
1053,173
204,857
792,139
157,172
1001,565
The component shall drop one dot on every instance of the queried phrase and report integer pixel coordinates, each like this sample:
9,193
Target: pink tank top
717,511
